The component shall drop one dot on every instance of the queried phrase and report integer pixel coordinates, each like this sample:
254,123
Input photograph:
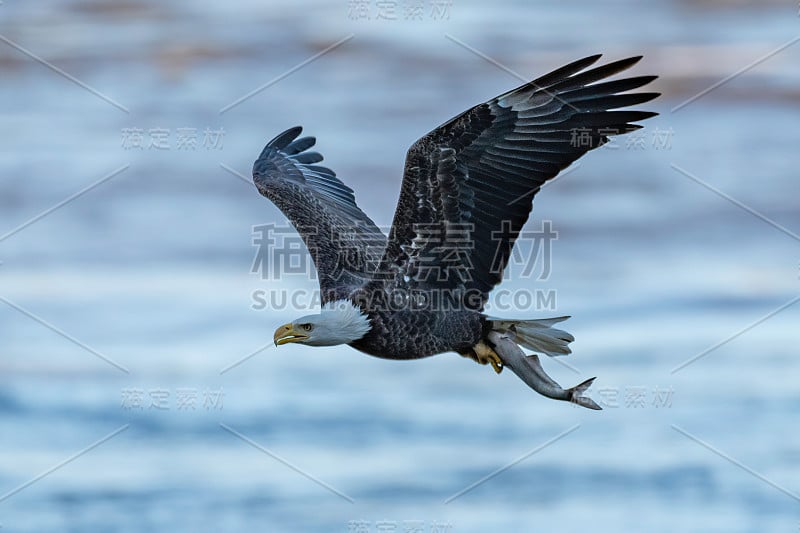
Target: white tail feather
537,335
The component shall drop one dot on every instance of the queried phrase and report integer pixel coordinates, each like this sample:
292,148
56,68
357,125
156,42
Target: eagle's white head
339,322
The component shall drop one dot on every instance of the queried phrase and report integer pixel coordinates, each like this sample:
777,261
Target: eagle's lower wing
344,243
468,185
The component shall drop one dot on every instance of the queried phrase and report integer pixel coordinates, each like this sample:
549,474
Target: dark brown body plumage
411,334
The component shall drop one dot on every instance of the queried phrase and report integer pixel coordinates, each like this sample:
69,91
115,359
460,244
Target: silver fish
529,369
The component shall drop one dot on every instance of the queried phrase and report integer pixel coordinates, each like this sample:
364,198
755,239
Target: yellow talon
497,363
484,355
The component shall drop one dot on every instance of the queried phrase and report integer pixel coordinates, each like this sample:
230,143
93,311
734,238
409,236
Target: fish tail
576,395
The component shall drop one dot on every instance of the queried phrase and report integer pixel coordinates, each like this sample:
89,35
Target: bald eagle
422,291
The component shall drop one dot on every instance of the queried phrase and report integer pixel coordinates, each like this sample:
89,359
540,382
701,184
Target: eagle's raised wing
468,185
344,243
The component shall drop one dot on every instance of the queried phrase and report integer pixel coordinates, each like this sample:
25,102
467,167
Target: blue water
147,278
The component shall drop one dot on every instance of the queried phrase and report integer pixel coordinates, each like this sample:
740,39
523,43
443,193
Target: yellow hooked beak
286,334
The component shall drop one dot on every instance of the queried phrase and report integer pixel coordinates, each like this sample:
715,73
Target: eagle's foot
484,355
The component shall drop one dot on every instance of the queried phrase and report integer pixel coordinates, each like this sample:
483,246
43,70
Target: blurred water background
151,269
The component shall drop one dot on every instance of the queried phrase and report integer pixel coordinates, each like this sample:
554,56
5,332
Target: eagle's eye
307,327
